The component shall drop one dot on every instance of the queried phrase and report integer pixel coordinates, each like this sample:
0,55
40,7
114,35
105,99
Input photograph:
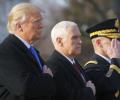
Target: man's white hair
60,29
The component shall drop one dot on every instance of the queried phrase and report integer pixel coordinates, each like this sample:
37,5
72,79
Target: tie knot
32,49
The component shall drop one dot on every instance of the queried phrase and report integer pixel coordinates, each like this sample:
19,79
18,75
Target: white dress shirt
23,41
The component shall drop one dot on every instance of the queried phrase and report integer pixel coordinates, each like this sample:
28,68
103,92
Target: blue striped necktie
35,55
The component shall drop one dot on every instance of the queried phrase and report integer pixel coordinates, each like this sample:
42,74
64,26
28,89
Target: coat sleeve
66,87
71,92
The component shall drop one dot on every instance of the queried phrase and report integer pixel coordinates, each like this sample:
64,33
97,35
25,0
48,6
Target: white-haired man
23,74
70,79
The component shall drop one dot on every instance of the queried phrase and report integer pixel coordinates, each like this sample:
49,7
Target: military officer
104,67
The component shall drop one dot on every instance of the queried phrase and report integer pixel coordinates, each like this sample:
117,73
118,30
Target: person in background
23,73
104,66
70,79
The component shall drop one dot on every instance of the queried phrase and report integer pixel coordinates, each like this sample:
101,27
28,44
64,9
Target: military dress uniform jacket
20,76
105,76
69,84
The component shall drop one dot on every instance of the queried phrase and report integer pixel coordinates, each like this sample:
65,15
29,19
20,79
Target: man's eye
36,21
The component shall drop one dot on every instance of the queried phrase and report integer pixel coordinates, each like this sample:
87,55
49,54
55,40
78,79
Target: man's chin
77,53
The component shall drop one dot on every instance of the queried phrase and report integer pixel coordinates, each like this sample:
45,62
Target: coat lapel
69,67
23,49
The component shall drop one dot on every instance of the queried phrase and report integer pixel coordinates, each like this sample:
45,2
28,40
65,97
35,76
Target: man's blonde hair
19,14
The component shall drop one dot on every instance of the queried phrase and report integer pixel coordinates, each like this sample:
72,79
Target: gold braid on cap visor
110,33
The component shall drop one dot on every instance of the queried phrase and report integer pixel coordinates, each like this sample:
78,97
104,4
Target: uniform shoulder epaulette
91,62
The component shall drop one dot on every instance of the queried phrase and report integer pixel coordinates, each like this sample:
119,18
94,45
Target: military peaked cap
108,28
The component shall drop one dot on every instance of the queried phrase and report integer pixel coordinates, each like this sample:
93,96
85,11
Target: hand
114,50
47,70
92,86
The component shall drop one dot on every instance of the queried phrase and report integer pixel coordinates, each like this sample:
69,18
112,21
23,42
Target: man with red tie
70,79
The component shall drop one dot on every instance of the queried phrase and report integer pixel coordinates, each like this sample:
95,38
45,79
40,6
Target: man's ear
59,41
98,42
18,27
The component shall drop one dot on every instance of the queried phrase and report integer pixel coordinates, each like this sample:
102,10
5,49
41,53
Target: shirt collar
71,60
23,41
107,59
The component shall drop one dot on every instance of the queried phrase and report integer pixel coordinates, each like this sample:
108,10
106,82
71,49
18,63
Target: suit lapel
69,67
81,70
22,48
30,56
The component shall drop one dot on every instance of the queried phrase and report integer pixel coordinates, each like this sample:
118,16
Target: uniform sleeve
104,81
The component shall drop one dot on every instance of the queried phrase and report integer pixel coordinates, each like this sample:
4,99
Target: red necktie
78,69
